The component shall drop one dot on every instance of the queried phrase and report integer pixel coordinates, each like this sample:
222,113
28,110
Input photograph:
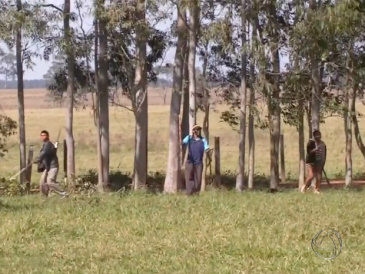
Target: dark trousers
193,178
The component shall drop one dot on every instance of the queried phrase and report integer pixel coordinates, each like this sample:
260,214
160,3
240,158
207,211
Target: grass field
41,116
218,232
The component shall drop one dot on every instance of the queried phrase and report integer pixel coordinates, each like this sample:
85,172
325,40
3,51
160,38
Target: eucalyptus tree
194,15
346,21
173,174
131,66
23,27
102,67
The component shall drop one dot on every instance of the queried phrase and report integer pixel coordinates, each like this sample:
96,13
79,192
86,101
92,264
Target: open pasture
40,115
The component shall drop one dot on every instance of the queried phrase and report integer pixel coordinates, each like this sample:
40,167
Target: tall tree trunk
316,81
251,142
193,27
275,123
97,107
274,145
243,94
357,133
186,104
301,144
316,94
348,121
141,114
173,174
309,119
19,66
274,102
348,134
70,94
251,118
103,88
205,96
206,114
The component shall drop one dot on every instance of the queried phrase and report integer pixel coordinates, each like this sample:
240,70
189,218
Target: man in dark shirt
197,145
315,161
48,164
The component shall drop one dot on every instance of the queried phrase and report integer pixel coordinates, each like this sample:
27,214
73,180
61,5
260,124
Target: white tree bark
243,97
193,27
141,113
20,74
70,94
104,95
173,174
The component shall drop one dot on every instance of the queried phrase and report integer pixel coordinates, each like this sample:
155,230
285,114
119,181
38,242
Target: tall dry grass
122,140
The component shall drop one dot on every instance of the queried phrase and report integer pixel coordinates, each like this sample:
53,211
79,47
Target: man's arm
206,146
47,150
325,154
311,147
186,140
39,158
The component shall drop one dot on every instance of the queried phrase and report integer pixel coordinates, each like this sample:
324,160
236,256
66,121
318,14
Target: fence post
217,158
181,182
204,182
28,173
282,159
65,158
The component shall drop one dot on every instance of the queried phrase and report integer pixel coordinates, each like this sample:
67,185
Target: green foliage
57,84
8,65
122,27
33,21
7,128
10,188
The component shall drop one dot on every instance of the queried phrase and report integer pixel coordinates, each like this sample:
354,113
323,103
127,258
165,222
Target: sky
41,67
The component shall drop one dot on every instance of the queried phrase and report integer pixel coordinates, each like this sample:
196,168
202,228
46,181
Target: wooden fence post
204,182
28,173
181,182
65,158
217,158
282,159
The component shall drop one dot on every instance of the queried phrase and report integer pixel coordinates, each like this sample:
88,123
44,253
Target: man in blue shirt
197,145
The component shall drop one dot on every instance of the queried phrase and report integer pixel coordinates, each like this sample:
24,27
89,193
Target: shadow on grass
120,181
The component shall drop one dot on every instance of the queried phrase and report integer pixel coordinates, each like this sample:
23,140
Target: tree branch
51,6
120,105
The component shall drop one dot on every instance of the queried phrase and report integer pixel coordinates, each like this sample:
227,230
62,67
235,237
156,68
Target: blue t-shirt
196,149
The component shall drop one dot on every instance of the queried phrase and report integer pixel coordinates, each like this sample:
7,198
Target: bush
10,188
7,128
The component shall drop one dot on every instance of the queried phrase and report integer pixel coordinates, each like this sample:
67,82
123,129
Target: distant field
40,115
38,99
